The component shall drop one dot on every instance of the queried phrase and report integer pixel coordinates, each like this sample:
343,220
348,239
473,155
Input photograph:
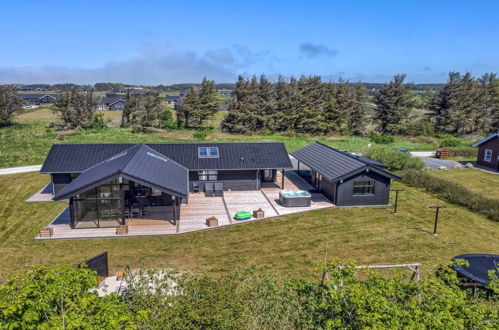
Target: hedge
396,160
463,152
454,193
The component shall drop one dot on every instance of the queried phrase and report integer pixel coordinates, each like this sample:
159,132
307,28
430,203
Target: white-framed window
208,152
208,175
487,155
363,187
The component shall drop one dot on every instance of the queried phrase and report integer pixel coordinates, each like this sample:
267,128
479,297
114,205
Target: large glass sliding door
99,207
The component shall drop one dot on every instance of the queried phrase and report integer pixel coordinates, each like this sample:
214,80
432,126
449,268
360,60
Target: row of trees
142,111
76,109
464,105
305,105
62,297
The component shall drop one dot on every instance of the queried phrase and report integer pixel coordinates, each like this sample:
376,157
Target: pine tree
333,115
10,103
456,108
76,109
284,97
186,112
393,105
357,121
265,103
487,119
234,121
208,102
309,106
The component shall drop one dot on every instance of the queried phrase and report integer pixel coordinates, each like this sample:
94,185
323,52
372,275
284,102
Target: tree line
304,105
463,105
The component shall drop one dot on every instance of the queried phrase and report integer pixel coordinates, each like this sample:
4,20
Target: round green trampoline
243,215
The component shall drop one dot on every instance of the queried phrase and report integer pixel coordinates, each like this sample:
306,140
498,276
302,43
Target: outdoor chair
219,189
195,187
209,189
136,213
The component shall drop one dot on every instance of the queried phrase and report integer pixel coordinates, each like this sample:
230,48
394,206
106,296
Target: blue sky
153,42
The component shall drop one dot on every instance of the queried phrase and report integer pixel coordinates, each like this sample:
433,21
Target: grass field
28,141
289,245
475,180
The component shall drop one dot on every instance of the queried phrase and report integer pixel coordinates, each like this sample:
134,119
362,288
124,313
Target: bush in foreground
157,299
57,298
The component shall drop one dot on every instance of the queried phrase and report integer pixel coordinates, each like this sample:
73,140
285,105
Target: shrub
167,121
454,193
137,129
423,139
381,139
98,121
59,298
469,153
396,160
202,134
449,142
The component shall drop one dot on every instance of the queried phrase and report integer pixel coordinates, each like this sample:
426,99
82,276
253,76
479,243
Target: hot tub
295,198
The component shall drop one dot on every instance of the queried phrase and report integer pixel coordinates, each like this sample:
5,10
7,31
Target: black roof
174,97
108,100
336,165
76,158
138,163
38,96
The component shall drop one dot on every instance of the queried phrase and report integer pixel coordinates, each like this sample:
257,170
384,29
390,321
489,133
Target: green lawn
288,245
475,180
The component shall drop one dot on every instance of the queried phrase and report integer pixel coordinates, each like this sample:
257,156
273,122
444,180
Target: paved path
21,169
435,163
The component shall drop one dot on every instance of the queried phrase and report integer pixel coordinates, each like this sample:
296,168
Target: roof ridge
113,157
346,153
144,145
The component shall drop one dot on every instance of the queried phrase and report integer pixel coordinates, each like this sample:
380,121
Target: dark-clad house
112,102
39,98
175,100
107,183
346,179
488,151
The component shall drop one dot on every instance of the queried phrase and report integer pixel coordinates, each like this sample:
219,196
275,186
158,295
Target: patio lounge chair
219,189
209,189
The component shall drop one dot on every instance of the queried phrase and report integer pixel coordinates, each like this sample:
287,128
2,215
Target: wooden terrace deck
193,215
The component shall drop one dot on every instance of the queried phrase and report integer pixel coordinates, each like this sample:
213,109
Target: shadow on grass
422,230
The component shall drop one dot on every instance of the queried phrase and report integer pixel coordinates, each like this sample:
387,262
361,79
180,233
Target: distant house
175,100
488,151
39,98
224,106
227,92
112,102
346,179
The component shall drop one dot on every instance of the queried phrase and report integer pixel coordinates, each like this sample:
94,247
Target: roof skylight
208,152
